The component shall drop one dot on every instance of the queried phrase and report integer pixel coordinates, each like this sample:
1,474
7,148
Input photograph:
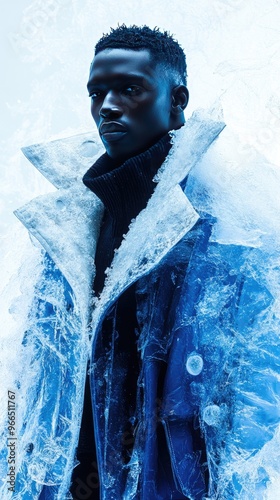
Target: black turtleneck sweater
125,189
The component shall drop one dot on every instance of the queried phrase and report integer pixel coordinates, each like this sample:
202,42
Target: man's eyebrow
118,78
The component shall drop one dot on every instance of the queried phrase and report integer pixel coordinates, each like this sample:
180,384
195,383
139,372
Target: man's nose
111,106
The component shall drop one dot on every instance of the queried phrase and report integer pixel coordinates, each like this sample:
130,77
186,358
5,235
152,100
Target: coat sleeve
50,389
250,458
238,329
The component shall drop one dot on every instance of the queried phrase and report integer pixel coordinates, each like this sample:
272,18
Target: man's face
130,101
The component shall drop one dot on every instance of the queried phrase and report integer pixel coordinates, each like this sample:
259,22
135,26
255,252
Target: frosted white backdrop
232,49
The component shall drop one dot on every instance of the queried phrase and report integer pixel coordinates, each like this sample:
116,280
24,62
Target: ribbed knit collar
126,188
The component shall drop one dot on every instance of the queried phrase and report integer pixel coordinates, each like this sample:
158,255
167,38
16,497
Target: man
170,382
133,108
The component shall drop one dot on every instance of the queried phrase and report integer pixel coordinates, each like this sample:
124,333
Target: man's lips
111,128
112,131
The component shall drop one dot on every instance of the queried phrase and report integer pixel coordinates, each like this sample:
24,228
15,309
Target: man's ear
180,99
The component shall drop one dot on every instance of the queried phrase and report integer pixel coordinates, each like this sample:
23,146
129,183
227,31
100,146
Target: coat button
194,364
212,415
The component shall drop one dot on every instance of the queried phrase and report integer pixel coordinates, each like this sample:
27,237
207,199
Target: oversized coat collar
67,222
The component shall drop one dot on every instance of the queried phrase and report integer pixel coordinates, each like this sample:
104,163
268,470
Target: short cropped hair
164,49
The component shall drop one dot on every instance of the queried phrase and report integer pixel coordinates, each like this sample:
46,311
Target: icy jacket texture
203,307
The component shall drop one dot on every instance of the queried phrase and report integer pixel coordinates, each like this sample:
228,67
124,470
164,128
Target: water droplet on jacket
211,415
194,364
60,205
29,448
88,149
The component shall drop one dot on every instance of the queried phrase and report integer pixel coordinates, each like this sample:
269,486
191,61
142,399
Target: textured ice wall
232,50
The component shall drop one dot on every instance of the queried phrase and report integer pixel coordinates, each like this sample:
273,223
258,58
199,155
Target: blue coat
203,308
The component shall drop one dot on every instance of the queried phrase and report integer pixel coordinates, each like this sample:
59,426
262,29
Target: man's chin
121,149
115,146
118,153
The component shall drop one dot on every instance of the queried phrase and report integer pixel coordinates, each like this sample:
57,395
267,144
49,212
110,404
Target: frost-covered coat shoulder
208,325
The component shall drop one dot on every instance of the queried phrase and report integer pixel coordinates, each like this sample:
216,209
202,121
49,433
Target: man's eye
132,90
95,94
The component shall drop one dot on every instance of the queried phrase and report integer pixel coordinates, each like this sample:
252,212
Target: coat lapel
66,222
64,161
